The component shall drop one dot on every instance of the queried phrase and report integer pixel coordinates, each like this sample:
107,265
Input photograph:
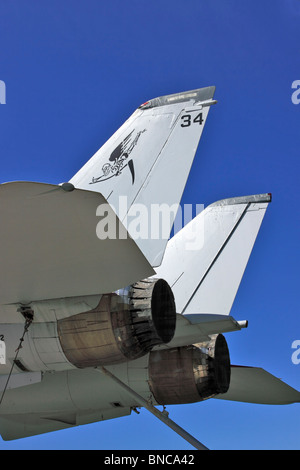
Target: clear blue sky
75,70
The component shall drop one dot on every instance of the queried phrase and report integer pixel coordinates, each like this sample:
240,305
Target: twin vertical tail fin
205,261
148,160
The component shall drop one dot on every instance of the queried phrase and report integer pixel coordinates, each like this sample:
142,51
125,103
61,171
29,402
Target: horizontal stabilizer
50,249
255,385
147,162
205,261
195,328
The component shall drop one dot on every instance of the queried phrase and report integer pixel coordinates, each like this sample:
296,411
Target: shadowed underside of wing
50,249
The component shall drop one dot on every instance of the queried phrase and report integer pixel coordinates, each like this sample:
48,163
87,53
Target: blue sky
74,71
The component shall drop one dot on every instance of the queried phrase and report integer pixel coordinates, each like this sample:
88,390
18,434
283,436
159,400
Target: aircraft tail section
156,144
205,261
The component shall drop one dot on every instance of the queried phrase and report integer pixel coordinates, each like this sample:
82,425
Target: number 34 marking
187,120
